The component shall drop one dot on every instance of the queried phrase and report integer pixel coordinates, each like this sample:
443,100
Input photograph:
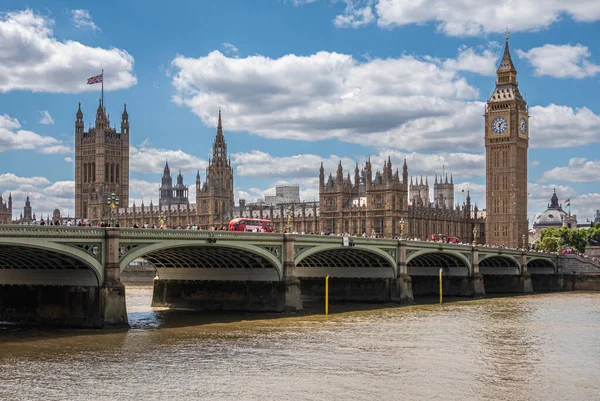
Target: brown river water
541,347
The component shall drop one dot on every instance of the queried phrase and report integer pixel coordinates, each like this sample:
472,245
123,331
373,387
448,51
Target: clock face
523,126
499,125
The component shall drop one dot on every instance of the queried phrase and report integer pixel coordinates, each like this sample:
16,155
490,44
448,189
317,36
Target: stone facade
377,206
214,196
101,165
506,143
169,194
6,210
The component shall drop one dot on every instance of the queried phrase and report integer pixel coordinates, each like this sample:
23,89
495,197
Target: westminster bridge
71,275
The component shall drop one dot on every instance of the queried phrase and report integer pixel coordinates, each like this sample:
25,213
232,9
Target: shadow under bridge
211,262
430,263
60,265
350,262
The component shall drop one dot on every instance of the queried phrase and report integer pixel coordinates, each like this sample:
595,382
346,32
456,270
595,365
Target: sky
298,82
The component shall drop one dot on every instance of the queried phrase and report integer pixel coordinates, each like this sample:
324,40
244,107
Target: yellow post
327,295
441,285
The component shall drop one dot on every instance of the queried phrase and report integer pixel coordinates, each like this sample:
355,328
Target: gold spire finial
506,32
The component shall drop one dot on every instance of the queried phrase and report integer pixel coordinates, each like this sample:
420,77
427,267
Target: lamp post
113,202
288,224
474,235
401,229
161,219
523,236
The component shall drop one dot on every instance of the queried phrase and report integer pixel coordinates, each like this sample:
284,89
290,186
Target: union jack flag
95,80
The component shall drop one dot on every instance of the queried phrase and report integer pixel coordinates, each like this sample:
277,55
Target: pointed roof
167,169
506,64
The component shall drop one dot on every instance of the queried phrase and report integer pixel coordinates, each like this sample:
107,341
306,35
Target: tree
550,240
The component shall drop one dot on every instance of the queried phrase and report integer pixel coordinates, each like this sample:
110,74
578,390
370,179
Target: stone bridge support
478,286
293,301
113,309
401,288
526,286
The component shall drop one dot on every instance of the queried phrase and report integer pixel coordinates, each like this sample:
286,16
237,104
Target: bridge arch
345,261
541,266
48,263
427,262
173,260
499,265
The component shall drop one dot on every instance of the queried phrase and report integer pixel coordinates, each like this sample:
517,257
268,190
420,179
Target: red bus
247,224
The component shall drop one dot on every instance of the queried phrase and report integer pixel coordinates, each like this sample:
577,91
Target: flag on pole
95,80
568,205
567,200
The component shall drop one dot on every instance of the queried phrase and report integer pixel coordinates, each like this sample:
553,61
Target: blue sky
299,81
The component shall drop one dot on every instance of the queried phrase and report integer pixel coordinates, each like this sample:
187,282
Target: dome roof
550,218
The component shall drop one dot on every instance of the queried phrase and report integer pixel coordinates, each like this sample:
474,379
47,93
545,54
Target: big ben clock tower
506,143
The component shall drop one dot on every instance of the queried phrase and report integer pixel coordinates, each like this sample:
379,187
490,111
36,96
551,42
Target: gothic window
112,173
106,168
393,202
85,171
379,202
117,174
93,178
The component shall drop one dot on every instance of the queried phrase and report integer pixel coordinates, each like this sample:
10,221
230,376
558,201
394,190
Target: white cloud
404,102
69,159
46,118
146,159
43,195
464,17
63,189
468,59
556,126
561,61
579,169
30,54
355,16
261,164
535,163
230,49
9,179
472,18
14,138
83,20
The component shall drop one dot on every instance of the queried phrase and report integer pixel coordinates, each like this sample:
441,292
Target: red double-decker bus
247,224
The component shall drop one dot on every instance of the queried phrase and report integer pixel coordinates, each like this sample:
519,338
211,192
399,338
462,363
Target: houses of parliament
382,202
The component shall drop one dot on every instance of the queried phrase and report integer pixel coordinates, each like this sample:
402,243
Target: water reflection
538,347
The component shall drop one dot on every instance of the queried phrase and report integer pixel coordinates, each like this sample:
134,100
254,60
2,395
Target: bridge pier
401,287
525,280
112,304
477,284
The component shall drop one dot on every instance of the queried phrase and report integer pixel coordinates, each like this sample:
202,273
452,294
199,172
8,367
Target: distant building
6,210
101,165
169,194
553,217
378,204
284,194
597,218
27,217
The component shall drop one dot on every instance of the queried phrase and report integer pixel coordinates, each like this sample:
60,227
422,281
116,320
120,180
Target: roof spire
219,124
507,73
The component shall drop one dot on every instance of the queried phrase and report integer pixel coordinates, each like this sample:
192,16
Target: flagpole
102,87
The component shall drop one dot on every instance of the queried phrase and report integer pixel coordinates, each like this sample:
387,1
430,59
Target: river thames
541,347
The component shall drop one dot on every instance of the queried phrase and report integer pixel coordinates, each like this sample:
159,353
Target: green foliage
552,239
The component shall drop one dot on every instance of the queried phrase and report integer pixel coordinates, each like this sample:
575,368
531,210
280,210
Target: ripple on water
537,347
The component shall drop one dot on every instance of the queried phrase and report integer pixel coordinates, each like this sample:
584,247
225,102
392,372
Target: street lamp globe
474,235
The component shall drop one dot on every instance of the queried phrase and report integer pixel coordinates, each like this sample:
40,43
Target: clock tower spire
506,144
